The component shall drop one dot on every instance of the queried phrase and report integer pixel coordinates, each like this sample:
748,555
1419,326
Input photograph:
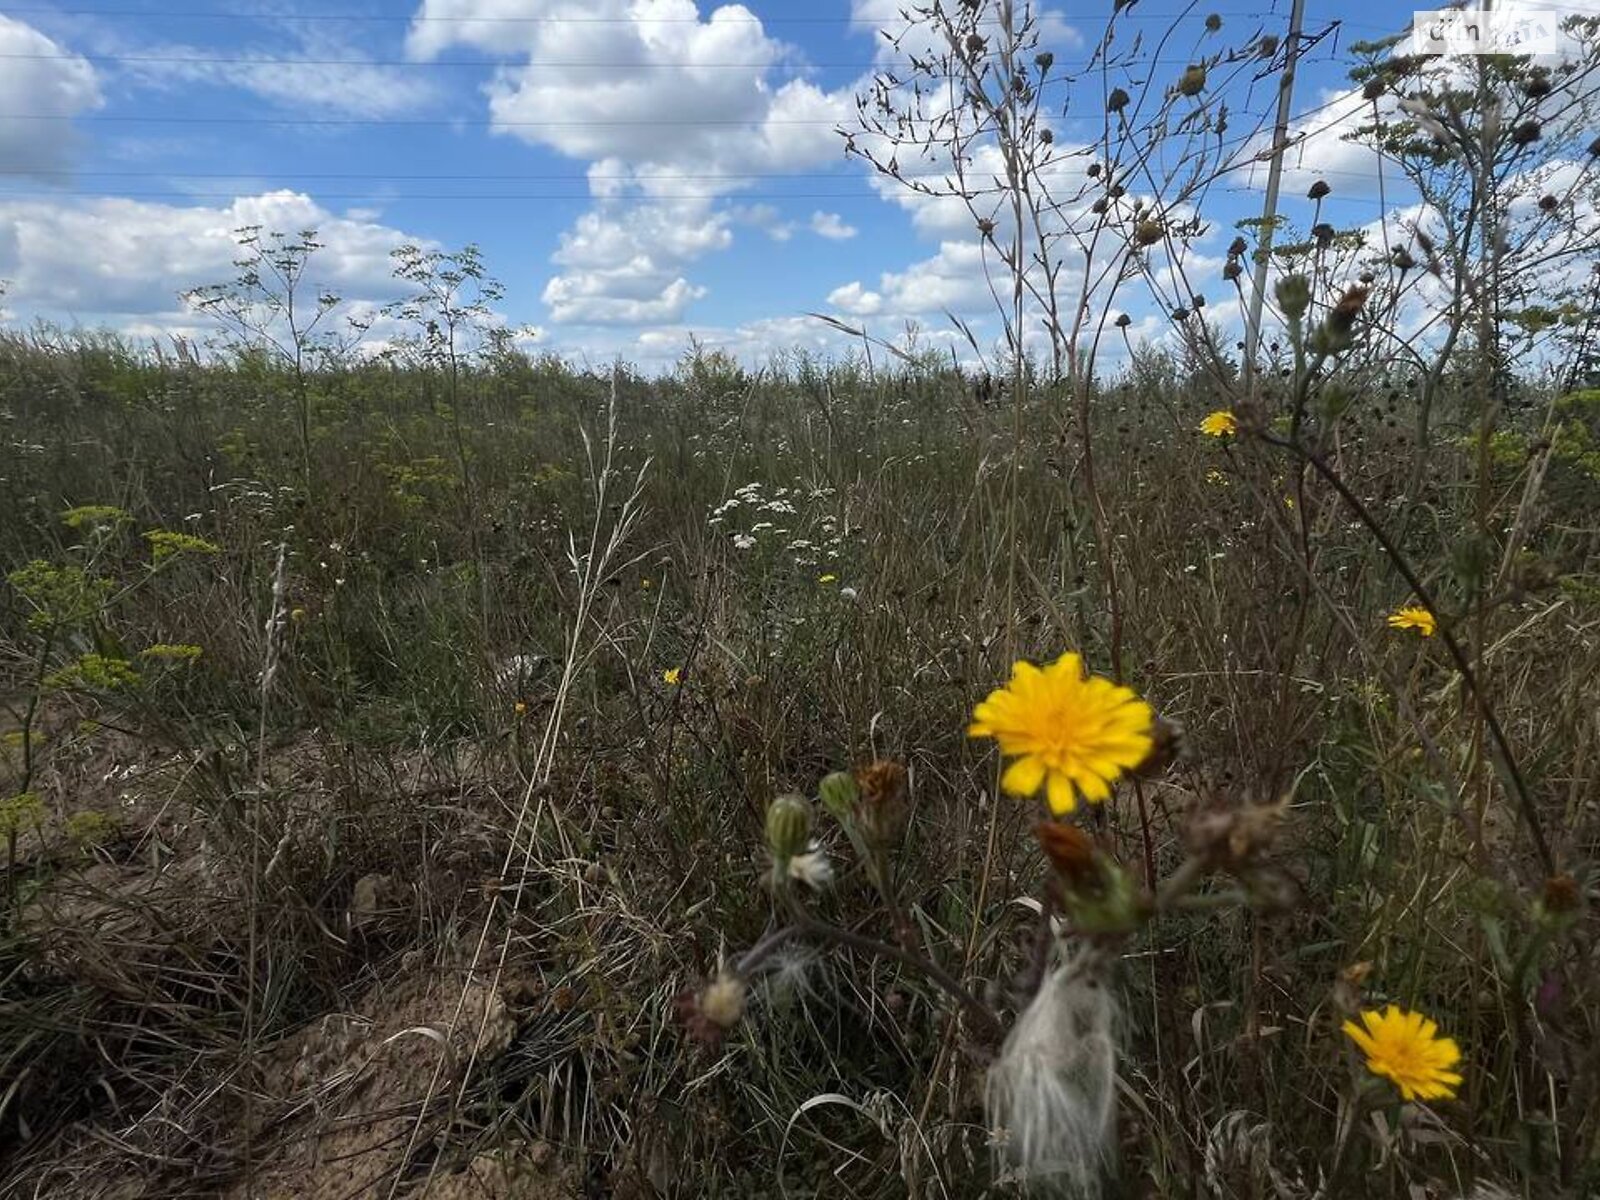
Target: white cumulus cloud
126,262
40,78
832,226
673,109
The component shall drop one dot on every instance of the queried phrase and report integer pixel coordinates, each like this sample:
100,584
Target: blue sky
635,171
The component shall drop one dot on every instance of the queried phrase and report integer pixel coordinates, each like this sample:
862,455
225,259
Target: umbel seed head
1193,81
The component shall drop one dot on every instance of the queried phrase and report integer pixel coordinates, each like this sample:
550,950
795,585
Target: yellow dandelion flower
1406,1049
1414,617
672,676
830,577
1069,732
519,708
1220,424
1217,478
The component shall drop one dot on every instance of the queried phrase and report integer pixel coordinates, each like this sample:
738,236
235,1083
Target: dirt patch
365,1092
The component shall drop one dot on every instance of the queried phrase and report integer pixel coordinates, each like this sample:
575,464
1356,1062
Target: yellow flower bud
788,826
838,794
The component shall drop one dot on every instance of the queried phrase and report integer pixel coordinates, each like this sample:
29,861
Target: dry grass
478,881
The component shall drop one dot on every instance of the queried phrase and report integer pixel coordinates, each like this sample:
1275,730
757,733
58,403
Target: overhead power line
388,18
512,177
837,198
451,122
612,65
665,122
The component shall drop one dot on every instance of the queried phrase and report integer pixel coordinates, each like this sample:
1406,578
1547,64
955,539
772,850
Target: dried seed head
1238,246
1043,61
1548,203
1319,189
1267,46
1231,270
1527,133
1403,259
1229,838
1372,89
1167,737
1562,893
1213,23
723,1001
1117,100
881,810
1322,232
1193,81
1148,233
1123,320
1051,1095
1344,314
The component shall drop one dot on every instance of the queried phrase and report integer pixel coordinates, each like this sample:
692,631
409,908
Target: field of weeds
398,817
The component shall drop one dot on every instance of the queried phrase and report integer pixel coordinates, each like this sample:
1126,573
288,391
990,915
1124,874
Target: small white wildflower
849,593
743,541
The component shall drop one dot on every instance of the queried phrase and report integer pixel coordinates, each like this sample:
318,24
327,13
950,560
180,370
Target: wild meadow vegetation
450,772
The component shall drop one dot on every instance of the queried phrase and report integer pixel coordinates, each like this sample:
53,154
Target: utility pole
1269,210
